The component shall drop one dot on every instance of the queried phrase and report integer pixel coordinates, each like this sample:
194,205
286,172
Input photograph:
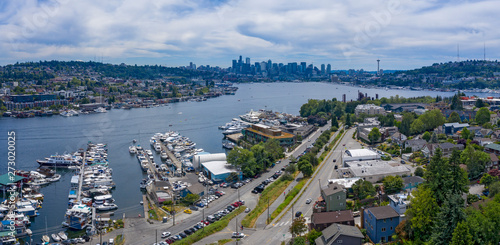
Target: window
385,220
382,239
383,229
339,241
338,197
391,228
391,219
341,204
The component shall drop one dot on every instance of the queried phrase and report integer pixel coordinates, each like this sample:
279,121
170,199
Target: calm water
40,137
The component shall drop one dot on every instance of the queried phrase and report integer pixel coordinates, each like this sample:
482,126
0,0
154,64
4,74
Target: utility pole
173,207
203,211
236,230
238,194
156,235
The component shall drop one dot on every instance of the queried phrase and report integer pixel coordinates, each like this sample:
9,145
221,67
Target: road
278,230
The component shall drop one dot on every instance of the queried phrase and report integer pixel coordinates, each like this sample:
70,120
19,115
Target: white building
218,171
373,170
369,109
359,155
198,160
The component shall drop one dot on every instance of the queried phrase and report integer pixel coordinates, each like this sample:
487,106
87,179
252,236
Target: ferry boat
78,217
60,161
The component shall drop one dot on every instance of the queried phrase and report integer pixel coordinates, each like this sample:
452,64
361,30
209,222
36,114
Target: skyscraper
248,61
323,70
328,69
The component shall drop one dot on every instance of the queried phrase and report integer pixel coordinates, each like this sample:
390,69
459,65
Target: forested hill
466,68
49,69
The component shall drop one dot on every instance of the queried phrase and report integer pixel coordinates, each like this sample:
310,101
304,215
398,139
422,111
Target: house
415,144
380,223
399,202
320,221
483,141
388,132
446,148
412,182
492,148
398,138
340,234
495,134
484,132
493,162
453,128
363,129
334,196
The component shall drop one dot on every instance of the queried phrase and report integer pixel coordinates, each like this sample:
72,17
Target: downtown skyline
402,34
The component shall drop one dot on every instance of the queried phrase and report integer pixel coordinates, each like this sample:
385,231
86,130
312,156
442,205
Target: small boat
132,149
134,141
54,178
55,237
62,235
45,238
141,202
106,206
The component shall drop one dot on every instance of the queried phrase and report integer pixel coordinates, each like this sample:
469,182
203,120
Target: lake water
38,137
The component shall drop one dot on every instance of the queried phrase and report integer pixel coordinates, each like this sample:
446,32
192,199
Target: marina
197,121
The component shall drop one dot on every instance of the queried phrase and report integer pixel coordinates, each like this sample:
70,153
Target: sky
403,34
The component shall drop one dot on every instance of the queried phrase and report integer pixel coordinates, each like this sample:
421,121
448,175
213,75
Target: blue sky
403,34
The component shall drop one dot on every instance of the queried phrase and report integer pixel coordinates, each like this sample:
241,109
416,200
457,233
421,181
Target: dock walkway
175,161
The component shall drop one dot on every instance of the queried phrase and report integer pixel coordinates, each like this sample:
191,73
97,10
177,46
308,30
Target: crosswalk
289,222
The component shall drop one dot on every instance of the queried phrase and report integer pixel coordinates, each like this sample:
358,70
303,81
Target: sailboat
45,238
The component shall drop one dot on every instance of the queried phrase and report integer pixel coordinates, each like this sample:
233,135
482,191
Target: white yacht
60,161
132,149
106,207
100,110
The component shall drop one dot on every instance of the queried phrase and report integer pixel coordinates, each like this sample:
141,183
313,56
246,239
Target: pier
175,161
80,178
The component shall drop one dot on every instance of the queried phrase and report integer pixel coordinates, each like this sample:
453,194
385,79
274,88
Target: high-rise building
303,66
323,69
269,65
247,61
235,65
328,69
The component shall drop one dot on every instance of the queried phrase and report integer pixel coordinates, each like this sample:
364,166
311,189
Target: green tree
417,126
487,180
494,189
233,176
454,117
306,169
291,168
483,116
298,226
480,103
434,138
422,213
392,184
419,171
374,135
437,176
475,160
426,136
299,241
405,126
348,122
243,159
335,123
465,133
312,235
451,213
462,235
191,198
363,188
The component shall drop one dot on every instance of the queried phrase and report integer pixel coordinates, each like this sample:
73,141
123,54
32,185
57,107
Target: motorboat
62,235
55,237
45,239
100,110
54,178
132,149
106,207
164,156
157,147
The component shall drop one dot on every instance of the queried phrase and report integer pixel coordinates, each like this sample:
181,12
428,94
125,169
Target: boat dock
80,178
175,161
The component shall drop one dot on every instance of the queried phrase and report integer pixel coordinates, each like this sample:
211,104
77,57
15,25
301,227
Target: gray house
415,144
340,234
334,196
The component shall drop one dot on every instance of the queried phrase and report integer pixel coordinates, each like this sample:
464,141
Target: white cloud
347,34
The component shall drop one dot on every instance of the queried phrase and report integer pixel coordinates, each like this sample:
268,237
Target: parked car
247,210
164,234
194,208
308,201
183,235
188,211
188,231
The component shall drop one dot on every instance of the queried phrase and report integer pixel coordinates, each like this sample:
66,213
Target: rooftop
413,179
218,167
383,212
493,146
361,153
332,217
7,179
346,182
332,188
334,231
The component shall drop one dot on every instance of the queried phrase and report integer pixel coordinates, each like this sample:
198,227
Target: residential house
492,148
484,132
388,132
493,162
366,127
415,144
446,148
340,234
464,115
483,141
411,182
452,128
399,202
495,134
474,129
398,138
334,196
320,221
380,223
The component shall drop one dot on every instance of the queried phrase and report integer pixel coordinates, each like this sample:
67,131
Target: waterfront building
262,133
218,171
